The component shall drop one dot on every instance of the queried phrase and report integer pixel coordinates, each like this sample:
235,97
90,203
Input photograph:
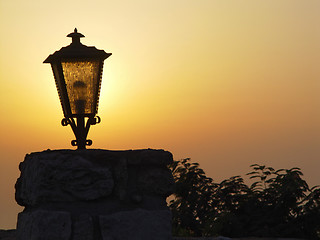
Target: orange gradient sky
228,83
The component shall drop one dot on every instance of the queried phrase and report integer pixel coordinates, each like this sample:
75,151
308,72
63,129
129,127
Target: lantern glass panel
58,81
82,83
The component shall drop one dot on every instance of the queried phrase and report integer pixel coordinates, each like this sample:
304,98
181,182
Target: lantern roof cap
76,50
75,34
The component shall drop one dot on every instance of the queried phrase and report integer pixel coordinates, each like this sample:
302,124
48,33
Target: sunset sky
227,83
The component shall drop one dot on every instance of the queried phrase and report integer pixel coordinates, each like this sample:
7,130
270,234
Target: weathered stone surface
54,176
151,157
8,234
83,228
120,173
68,176
137,224
158,181
44,225
95,194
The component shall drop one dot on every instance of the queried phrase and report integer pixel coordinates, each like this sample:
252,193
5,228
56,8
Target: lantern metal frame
77,52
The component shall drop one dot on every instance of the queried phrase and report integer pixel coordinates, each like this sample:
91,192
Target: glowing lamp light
77,70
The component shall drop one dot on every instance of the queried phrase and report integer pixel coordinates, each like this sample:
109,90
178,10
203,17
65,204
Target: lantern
77,70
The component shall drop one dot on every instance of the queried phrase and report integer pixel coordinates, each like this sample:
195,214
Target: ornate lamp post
77,70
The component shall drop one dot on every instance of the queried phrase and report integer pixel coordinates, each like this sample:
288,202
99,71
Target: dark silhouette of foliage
278,204
193,202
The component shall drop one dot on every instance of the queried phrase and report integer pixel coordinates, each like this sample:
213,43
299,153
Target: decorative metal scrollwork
98,119
81,129
65,122
75,142
94,120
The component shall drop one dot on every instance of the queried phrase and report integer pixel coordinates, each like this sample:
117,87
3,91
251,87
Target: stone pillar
95,195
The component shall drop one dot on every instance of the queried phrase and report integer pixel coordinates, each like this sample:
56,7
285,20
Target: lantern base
95,194
80,129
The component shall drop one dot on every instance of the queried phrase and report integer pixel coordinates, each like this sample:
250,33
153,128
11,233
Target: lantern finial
75,36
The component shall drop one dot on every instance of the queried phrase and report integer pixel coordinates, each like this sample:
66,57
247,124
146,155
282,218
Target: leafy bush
278,204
